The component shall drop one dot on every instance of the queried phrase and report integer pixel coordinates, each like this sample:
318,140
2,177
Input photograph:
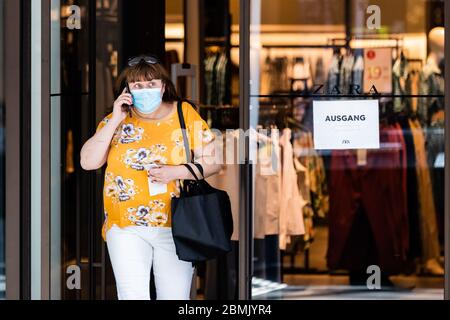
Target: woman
143,147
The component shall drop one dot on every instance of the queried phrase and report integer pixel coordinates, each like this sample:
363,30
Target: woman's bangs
143,72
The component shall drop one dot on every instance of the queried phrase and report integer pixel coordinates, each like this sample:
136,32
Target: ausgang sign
346,124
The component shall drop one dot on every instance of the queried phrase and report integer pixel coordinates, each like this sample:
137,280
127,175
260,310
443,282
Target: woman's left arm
204,155
207,158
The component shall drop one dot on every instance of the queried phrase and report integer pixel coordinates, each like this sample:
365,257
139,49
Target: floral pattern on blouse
118,188
140,158
130,134
151,215
136,144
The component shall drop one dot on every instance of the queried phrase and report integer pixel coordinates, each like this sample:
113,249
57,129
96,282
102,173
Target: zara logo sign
352,89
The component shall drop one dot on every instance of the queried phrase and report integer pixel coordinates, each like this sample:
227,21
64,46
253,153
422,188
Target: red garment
376,190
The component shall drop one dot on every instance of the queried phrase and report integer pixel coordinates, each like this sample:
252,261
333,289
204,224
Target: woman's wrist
115,121
183,173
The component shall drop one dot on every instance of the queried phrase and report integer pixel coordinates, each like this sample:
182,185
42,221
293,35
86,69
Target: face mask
147,100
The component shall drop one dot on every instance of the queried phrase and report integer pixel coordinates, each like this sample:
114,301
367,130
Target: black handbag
202,223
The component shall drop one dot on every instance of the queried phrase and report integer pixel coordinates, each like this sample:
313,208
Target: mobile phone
126,105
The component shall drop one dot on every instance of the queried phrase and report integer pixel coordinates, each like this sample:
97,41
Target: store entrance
90,42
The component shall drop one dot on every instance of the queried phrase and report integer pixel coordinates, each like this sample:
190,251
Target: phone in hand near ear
128,107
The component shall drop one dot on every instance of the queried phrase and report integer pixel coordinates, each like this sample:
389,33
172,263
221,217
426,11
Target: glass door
347,102
91,42
72,205
2,167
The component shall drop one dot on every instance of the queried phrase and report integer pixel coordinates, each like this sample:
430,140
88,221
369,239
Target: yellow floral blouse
136,144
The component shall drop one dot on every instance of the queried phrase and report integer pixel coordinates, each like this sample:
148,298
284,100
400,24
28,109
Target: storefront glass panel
347,99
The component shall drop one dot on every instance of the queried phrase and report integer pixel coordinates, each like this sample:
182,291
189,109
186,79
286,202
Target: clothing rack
332,43
367,37
302,46
283,107
398,41
292,269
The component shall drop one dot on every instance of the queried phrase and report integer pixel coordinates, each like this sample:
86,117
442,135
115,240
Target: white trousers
133,251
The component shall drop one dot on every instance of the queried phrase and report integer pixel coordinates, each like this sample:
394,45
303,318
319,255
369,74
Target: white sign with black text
346,124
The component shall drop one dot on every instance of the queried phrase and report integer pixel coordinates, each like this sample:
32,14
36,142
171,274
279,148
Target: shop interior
353,208
322,218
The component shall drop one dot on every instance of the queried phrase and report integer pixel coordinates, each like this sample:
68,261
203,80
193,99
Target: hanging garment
217,79
431,83
377,190
301,70
401,85
319,74
415,243
278,80
435,145
334,73
267,191
358,73
414,85
308,212
346,73
310,179
428,226
209,65
223,80
260,205
228,179
264,87
304,150
291,217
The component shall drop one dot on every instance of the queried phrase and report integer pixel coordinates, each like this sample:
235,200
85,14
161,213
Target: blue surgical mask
147,100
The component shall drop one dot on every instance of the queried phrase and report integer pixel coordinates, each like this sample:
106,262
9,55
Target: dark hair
146,72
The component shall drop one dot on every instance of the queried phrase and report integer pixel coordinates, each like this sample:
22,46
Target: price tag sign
378,69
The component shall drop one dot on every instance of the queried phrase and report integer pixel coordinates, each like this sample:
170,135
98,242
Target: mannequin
436,40
432,110
432,78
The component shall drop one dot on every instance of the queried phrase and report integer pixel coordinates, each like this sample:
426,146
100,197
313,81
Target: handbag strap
186,142
183,131
200,169
191,170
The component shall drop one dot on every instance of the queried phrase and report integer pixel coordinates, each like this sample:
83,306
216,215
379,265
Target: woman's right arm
95,151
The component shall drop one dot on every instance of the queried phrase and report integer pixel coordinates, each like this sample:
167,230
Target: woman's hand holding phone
121,106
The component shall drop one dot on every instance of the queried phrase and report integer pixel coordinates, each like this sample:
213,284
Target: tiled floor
335,287
343,292
326,286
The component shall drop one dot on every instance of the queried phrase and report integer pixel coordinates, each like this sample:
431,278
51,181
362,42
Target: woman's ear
163,89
